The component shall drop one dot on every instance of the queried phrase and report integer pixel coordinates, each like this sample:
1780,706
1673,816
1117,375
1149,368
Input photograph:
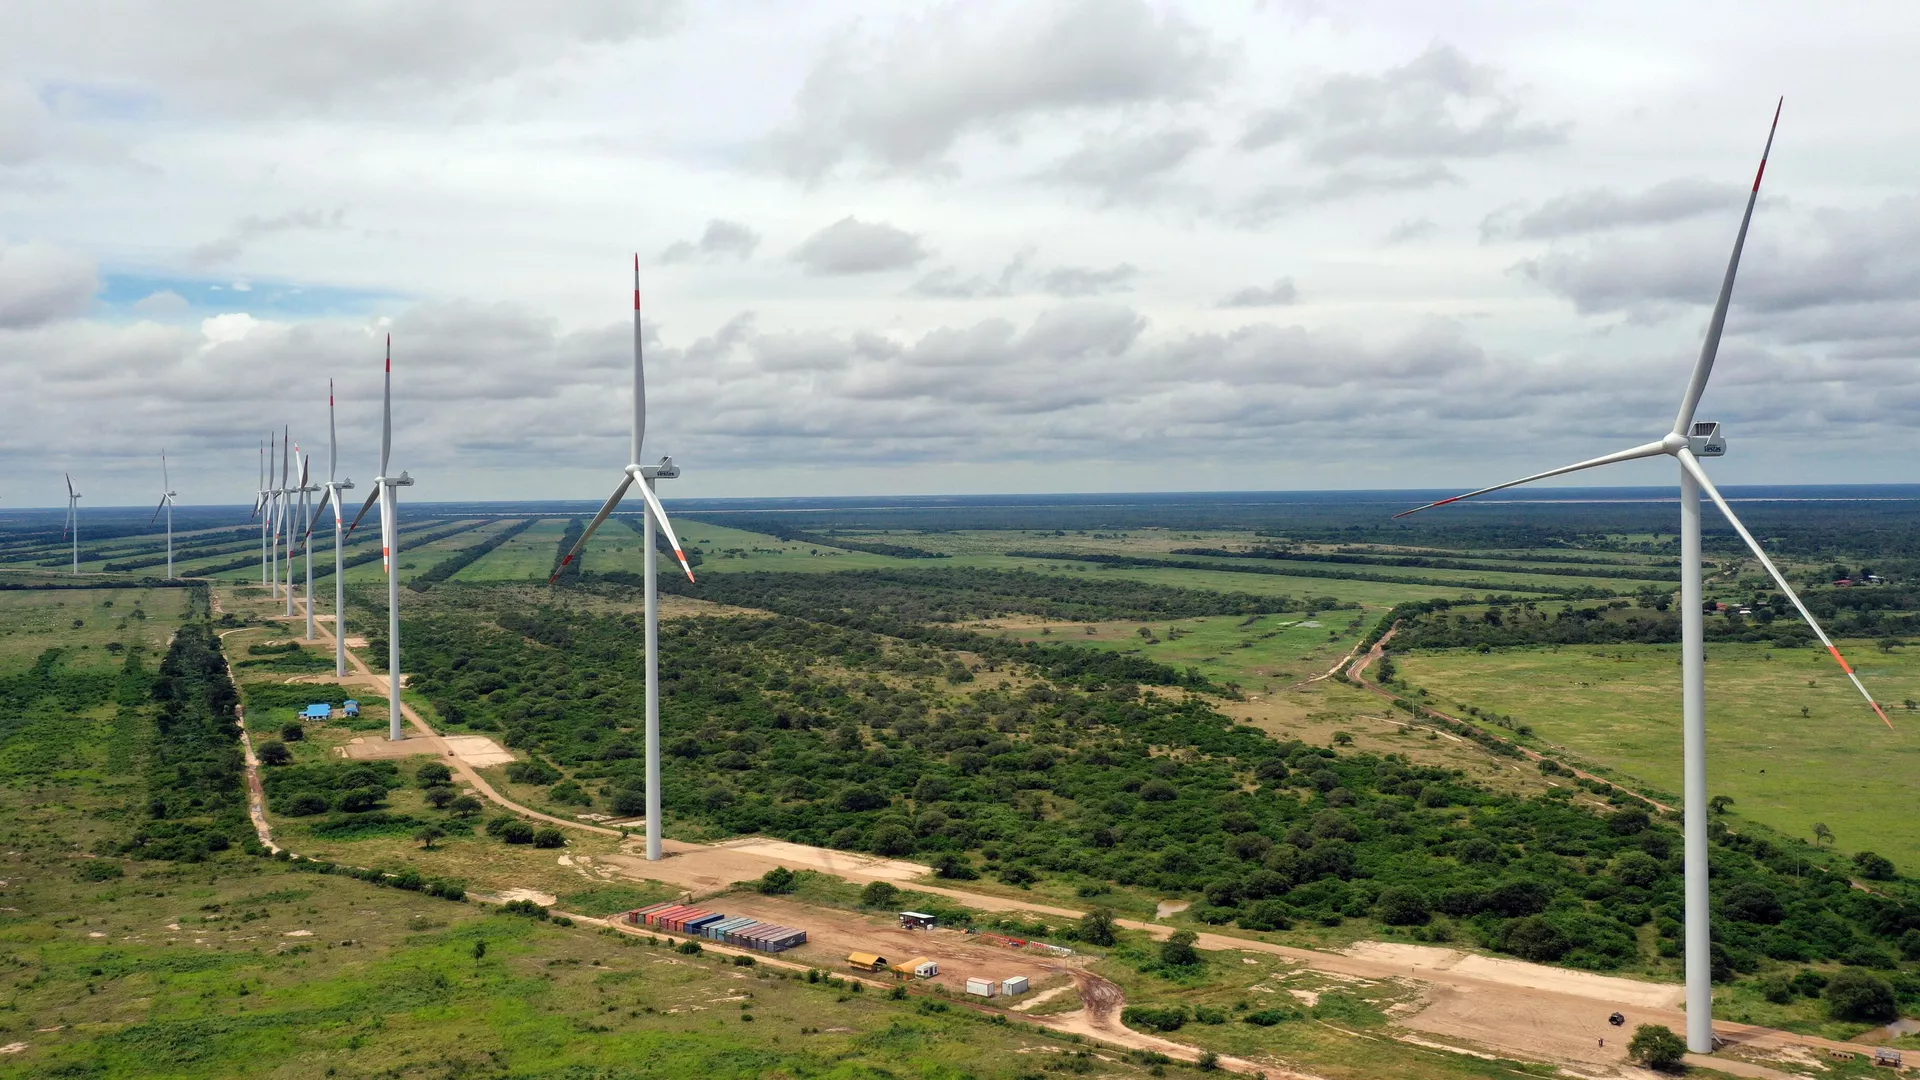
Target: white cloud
40,283
901,99
852,246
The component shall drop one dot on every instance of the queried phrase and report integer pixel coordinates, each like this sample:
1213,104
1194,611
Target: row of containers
739,930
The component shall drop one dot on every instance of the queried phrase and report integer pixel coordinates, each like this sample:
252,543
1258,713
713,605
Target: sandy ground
477,751
832,862
831,935
1429,959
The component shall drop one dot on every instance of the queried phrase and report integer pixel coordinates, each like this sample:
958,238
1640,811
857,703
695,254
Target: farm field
530,555
1619,706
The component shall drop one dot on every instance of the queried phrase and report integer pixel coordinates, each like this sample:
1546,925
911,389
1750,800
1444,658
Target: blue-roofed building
352,708
321,711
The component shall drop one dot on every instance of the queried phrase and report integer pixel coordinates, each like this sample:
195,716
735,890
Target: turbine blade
618,493
1703,367
325,498
386,412
366,506
285,459
69,477
1693,466
305,461
333,437
660,515
1651,449
157,509
639,373
166,479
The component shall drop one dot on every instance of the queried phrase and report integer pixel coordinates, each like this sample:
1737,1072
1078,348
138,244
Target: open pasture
1788,737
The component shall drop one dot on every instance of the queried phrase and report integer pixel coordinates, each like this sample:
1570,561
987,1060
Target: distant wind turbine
386,490
1687,442
166,503
646,474
333,489
73,521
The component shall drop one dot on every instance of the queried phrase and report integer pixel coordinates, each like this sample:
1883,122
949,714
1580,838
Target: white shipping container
1015,985
980,987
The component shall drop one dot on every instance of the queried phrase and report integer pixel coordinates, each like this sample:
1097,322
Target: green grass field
526,557
1620,706
1256,653
30,622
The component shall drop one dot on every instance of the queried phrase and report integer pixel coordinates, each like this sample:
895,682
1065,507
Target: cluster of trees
786,728
195,772
1633,571
1440,624
1576,593
783,531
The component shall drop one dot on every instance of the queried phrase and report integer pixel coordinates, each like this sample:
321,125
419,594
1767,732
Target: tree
433,774
274,752
549,837
464,806
1822,834
439,797
1403,907
1178,950
479,949
880,894
293,733
1853,994
427,834
778,881
517,832
1873,867
1096,927
1719,803
1656,1046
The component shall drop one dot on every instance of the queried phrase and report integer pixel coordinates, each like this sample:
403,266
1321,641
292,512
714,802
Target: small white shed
980,987
1014,985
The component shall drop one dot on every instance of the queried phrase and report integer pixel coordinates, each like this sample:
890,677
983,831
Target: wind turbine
1687,442
283,539
166,503
646,474
386,490
73,521
333,489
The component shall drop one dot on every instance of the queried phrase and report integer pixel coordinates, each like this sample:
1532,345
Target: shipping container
980,987
705,919
1014,985
642,916
721,930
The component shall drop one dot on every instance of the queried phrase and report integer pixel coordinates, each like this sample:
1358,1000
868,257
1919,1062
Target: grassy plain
1788,737
85,622
530,555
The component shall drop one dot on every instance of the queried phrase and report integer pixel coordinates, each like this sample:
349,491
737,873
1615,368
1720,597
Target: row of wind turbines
288,515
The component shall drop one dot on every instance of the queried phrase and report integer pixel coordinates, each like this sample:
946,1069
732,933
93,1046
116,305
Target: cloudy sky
1048,245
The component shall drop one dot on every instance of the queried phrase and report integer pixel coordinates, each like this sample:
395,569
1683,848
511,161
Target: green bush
1656,1046
878,894
1162,1018
1857,995
1270,1017
778,881
548,837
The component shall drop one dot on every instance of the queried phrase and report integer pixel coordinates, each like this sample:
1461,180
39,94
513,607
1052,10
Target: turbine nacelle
666,470
1705,440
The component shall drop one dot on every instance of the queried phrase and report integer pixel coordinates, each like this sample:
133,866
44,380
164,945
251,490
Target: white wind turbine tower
386,490
306,489
646,474
259,508
332,488
1687,442
284,541
273,521
73,521
166,503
